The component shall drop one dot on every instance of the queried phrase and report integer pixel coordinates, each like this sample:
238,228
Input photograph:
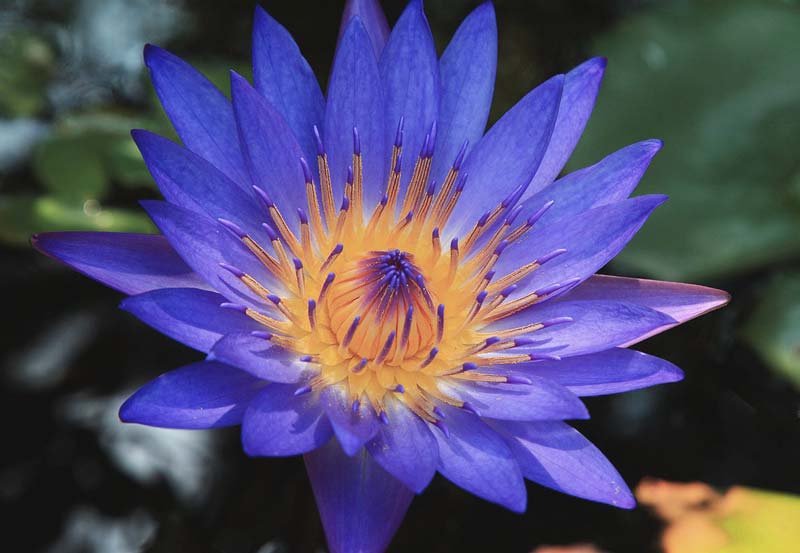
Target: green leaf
22,216
773,329
71,168
26,63
719,82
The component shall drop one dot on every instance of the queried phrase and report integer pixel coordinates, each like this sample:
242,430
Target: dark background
717,80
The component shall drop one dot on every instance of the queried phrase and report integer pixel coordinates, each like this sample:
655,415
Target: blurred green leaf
774,328
22,216
71,168
719,82
25,66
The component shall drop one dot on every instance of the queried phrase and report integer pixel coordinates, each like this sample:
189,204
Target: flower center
380,299
374,303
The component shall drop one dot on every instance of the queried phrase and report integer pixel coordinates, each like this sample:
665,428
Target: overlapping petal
270,149
361,504
354,424
467,70
356,100
201,395
556,455
477,459
373,19
505,160
592,325
282,75
278,423
205,244
199,111
259,357
190,316
591,239
581,86
405,447
187,180
540,399
130,263
611,371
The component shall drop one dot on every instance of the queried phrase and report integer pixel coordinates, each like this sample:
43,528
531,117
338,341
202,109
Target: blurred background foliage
718,80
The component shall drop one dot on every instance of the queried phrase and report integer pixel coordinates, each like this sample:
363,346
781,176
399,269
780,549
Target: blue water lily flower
380,285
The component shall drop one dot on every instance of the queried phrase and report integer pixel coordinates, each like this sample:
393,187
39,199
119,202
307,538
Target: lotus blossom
379,284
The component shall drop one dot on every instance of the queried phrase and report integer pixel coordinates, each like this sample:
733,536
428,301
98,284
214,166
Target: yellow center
374,301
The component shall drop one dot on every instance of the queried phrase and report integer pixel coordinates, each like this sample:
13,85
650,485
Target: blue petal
270,149
361,505
467,69
355,99
187,180
282,75
506,158
353,429
190,316
200,113
259,357
542,399
405,447
130,263
606,182
373,18
557,456
591,239
201,395
596,325
476,458
680,301
607,372
581,86
277,423
204,243
410,71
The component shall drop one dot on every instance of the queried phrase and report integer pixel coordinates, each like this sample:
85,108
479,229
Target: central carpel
382,309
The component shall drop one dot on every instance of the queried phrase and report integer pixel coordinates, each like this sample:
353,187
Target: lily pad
719,82
774,328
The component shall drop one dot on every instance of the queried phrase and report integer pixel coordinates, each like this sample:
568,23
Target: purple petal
542,399
187,180
596,326
361,505
259,357
201,395
373,19
477,459
467,69
353,427
282,75
200,113
682,302
130,263
507,157
581,86
556,455
204,243
277,423
409,68
190,316
592,239
608,181
607,372
270,149
405,447
355,99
